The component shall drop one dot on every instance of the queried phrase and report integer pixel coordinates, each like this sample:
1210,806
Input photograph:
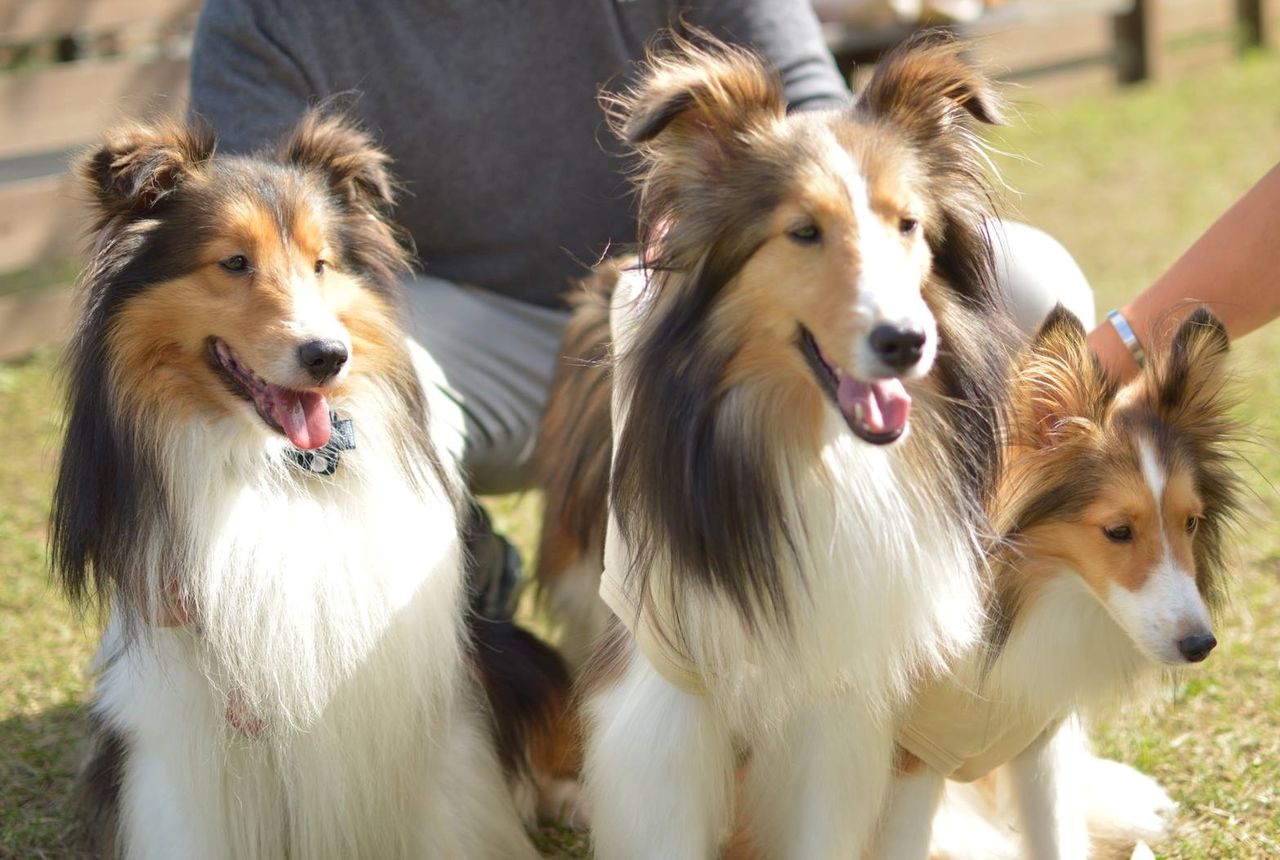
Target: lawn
1126,181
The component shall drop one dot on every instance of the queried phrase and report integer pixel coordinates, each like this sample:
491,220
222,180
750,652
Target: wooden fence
69,68
1070,44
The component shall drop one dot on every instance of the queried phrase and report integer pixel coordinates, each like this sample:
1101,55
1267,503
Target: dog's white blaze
310,318
1168,606
1165,609
1153,474
889,278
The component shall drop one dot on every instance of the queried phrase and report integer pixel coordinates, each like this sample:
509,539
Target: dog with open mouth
776,433
254,489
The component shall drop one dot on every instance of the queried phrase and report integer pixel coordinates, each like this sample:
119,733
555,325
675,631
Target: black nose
899,348
323,358
1196,646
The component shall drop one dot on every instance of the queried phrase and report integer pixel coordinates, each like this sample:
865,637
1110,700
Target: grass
46,275
1126,180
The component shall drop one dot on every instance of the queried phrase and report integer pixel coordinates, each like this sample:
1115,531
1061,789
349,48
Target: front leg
658,771
907,826
1048,797
817,786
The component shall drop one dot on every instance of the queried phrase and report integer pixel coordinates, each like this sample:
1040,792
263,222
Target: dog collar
324,460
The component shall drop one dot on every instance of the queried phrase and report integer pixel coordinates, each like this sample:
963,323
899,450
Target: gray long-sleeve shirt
488,107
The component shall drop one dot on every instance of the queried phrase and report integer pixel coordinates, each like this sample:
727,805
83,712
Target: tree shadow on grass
39,754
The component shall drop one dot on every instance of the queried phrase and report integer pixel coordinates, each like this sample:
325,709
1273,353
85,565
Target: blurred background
1140,122
70,67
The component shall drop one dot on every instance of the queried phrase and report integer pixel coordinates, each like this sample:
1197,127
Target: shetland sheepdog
803,402
252,487
1111,515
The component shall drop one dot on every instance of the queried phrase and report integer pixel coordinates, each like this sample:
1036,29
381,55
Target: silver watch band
1127,337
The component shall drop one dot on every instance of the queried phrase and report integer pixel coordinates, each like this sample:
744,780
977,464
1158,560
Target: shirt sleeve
244,82
788,35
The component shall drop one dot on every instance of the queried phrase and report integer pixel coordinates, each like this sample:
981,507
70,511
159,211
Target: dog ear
1189,381
1192,390
358,175
697,93
357,171
137,165
688,117
1060,390
927,93
928,89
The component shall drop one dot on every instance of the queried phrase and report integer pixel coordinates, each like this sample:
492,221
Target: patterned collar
324,460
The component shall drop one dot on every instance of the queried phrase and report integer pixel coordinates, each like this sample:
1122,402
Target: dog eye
1118,534
321,265
237,263
907,226
1192,524
809,234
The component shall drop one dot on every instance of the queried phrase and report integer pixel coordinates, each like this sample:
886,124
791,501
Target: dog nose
1196,646
323,358
898,347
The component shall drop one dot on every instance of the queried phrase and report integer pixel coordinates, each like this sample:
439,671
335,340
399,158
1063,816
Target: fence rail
33,20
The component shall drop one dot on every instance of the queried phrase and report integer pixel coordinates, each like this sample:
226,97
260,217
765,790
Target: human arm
787,34
244,81
1232,268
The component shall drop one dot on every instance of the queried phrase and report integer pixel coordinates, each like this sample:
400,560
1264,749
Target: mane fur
575,436
699,481
113,507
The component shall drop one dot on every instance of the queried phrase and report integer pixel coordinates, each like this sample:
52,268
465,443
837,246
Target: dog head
239,285
242,291
1130,488
813,241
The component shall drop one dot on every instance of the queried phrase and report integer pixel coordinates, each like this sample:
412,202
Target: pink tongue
303,416
880,407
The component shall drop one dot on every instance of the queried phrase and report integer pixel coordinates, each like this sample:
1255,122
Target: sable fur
107,487
715,511
807,575
1182,402
287,669
1083,453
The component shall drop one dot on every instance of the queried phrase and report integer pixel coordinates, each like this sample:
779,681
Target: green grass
1126,181
46,275
44,648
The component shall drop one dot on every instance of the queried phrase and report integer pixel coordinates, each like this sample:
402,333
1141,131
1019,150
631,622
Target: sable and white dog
1111,516
782,557
251,486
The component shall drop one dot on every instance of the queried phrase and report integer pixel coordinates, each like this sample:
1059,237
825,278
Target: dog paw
1127,804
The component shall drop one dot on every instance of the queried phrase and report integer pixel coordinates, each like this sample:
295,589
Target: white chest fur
328,612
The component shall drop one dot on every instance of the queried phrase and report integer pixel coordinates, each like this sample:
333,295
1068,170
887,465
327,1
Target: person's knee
1035,272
